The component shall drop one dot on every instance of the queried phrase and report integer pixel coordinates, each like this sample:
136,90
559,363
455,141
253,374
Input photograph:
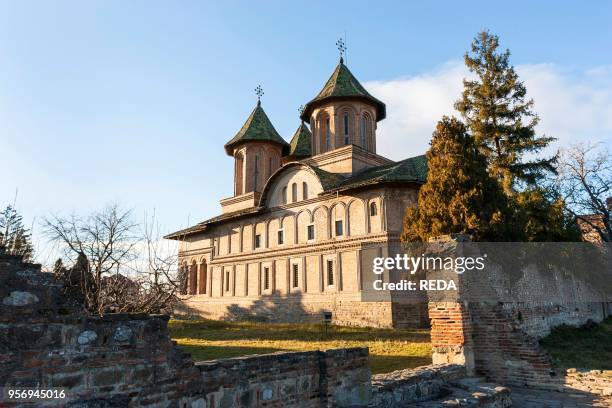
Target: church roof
342,84
409,170
301,142
412,170
256,128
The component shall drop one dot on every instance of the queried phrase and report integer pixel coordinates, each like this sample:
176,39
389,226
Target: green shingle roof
301,142
342,84
413,169
256,128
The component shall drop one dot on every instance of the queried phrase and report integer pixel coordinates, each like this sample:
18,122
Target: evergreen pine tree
15,239
459,195
499,116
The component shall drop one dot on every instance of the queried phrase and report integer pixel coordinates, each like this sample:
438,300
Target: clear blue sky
133,100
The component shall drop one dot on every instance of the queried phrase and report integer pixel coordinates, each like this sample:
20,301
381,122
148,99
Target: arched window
346,129
373,209
255,173
184,277
284,195
364,132
269,167
304,191
294,193
193,273
238,187
327,135
203,280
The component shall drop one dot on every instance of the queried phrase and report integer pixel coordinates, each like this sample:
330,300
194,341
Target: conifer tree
499,116
15,239
459,195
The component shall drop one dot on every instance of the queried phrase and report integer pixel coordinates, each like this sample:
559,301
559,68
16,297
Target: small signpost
327,319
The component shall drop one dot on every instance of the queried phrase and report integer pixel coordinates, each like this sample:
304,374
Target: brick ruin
498,337
130,360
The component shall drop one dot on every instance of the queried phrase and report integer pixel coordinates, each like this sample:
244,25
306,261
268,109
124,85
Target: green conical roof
342,84
256,128
301,142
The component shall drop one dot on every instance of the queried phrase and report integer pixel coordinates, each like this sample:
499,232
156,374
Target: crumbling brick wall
494,321
129,359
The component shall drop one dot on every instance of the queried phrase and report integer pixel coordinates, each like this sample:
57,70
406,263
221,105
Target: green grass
389,349
589,348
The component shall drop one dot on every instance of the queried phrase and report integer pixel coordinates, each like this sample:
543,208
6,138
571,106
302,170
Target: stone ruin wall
129,359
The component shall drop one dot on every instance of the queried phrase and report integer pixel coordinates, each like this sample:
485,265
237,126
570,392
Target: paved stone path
528,398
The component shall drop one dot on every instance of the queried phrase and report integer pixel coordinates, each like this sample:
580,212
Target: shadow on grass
378,363
585,347
217,331
385,364
203,353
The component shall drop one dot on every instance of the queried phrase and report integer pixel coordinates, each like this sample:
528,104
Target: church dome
342,85
257,128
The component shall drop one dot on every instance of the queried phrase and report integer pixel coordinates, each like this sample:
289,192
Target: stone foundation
346,310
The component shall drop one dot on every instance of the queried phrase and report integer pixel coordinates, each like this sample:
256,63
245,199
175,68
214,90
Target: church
307,218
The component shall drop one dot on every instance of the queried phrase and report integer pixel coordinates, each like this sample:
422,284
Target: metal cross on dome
259,92
341,47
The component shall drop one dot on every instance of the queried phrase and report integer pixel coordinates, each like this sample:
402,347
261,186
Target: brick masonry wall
498,335
130,360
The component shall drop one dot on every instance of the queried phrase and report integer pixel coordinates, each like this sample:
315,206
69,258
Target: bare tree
119,265
585,180
101,243
156,271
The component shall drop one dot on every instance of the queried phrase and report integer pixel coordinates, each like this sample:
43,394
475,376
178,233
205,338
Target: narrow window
330,272
257,241
269,167
294,193
281,237
284,197
296,276
346,129
256,173
373,209
362,132
203,278
327,135
304,191
339,229
193,272
266,278
227,281
311,232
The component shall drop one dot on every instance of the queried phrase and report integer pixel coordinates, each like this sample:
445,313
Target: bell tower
257,150
343,113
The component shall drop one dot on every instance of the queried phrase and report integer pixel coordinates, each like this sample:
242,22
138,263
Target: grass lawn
573,347
389,349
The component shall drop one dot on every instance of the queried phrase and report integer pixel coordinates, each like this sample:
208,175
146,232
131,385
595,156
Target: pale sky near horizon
132,101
